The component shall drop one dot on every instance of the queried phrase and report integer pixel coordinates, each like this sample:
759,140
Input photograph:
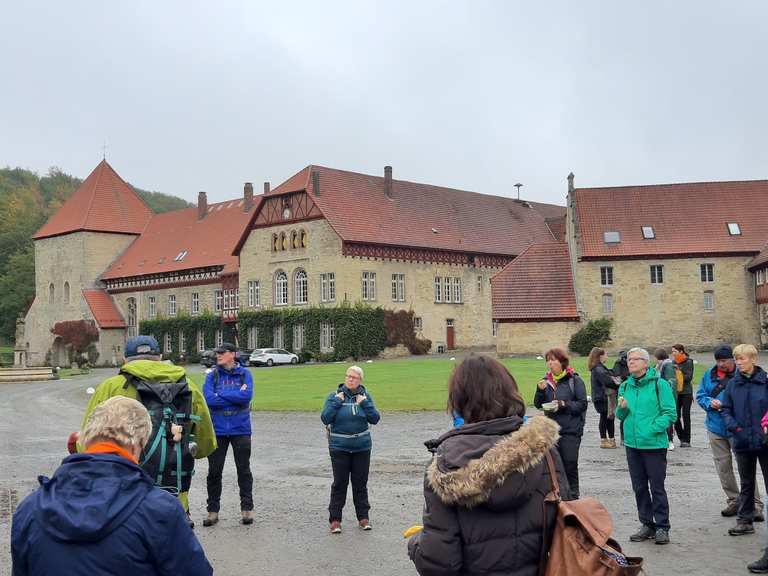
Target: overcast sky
477,95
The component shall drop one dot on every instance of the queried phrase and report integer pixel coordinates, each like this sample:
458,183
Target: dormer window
648,233
734,229
180,256
611,237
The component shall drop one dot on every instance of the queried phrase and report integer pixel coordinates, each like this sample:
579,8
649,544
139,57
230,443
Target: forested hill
26,202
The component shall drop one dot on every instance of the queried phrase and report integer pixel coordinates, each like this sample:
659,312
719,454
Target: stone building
668,263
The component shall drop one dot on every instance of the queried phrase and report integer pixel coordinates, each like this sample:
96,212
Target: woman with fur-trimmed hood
484,489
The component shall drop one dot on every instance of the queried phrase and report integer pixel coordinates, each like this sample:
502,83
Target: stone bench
26,374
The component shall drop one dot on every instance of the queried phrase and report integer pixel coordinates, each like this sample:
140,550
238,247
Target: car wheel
269,362
294,360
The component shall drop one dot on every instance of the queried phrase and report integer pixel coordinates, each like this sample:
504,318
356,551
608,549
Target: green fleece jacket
650,411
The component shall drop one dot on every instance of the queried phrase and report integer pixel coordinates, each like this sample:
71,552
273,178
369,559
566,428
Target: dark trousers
241,448
683,424
671,433
606,425
568,447
346,465
649,468
747,463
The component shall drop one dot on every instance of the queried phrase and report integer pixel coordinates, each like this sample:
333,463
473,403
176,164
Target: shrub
595,333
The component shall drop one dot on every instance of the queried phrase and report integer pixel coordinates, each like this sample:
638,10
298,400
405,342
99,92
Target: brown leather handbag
581,543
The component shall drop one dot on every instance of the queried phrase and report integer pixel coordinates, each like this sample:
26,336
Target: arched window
281,289
294,239
131,302
66,292
51,293
304,239
300,289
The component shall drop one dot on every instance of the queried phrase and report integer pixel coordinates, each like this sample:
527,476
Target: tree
17,288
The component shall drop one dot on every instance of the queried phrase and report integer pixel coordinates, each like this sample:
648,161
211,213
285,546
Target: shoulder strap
553,496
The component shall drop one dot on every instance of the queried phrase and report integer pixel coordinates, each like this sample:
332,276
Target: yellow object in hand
413,530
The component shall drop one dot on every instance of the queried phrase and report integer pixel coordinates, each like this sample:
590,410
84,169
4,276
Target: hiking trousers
241,448
648,471
349,466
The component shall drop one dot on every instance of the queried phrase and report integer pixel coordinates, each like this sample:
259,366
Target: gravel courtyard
292,479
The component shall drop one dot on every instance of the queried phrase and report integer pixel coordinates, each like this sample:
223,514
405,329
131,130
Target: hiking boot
742,528
645,533
758,517
604,443
213,518
365,524
731,510
685,444
190,521
247,518
335,527
661,536
759,566
612,443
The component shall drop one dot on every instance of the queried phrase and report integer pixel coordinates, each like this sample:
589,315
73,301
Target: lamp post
518,186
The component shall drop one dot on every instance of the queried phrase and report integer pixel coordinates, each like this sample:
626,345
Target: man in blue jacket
228,391
710,398
101,514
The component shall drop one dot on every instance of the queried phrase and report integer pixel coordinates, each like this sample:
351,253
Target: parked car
271,356
208,357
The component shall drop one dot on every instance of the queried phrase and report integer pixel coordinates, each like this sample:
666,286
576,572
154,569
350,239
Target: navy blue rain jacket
230,407
745,400
347,421
101,514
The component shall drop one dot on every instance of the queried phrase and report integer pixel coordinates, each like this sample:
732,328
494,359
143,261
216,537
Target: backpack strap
552,496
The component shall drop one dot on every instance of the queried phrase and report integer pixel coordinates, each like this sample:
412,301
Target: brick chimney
388,182
202,205
316,183
266,187
247,196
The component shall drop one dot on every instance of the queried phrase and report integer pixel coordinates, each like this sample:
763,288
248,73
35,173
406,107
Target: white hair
642,351
119,419
358,370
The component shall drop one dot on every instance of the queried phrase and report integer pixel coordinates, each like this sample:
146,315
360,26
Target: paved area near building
292,478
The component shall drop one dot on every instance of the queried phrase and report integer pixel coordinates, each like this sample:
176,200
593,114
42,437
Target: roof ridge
657,185
87,213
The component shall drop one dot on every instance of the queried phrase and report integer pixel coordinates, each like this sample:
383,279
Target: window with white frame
219,337
328,287
607,303
168,348
398,287
369,285
298,338
457,290
151,306
278,336
418,323
218,300
606,276
438,289
200,341
760,277
253,337
734,229
194,305
254,295
327,336
447,293
226,299
182,343
300,287
707,272
281,289
172,305
648,233
494,328
132,329
237,299
709,301
657,274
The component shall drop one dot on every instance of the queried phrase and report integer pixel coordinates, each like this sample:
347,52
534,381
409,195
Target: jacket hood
759,375
647,377
485,463
89,496
347,392
154,371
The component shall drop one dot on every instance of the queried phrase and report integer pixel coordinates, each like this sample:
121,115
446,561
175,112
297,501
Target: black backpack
170,464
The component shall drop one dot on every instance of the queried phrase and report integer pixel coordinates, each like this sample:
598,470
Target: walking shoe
190,522
335,527
365,524
758,517
731,510
604,443
645,533
213,518
247,518
661,536
741,529
671,446
612,443
759,566
685,444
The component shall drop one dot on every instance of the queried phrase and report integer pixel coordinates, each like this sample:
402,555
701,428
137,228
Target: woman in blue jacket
347,414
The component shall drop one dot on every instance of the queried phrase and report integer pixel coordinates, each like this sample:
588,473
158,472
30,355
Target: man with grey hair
100,513
647,408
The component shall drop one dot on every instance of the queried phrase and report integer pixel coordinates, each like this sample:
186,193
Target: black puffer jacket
601,380
484,493
572,391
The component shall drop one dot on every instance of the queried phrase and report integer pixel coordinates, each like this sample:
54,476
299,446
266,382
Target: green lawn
396,385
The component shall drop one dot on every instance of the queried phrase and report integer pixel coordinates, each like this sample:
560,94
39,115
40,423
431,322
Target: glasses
636,360
353,376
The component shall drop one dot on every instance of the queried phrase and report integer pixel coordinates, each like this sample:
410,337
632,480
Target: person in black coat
604,389
484,489
563,397
621,371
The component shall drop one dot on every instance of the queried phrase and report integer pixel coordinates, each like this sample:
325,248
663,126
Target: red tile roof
686,218
759,260
207,242
422,215
103,309
104,202
537,285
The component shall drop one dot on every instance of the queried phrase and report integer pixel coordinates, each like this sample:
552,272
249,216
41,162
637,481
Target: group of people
485,487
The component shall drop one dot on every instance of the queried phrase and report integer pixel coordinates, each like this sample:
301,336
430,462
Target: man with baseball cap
710,397
183,434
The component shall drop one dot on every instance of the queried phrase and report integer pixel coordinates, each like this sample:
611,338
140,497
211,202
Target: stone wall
533,337
323,254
